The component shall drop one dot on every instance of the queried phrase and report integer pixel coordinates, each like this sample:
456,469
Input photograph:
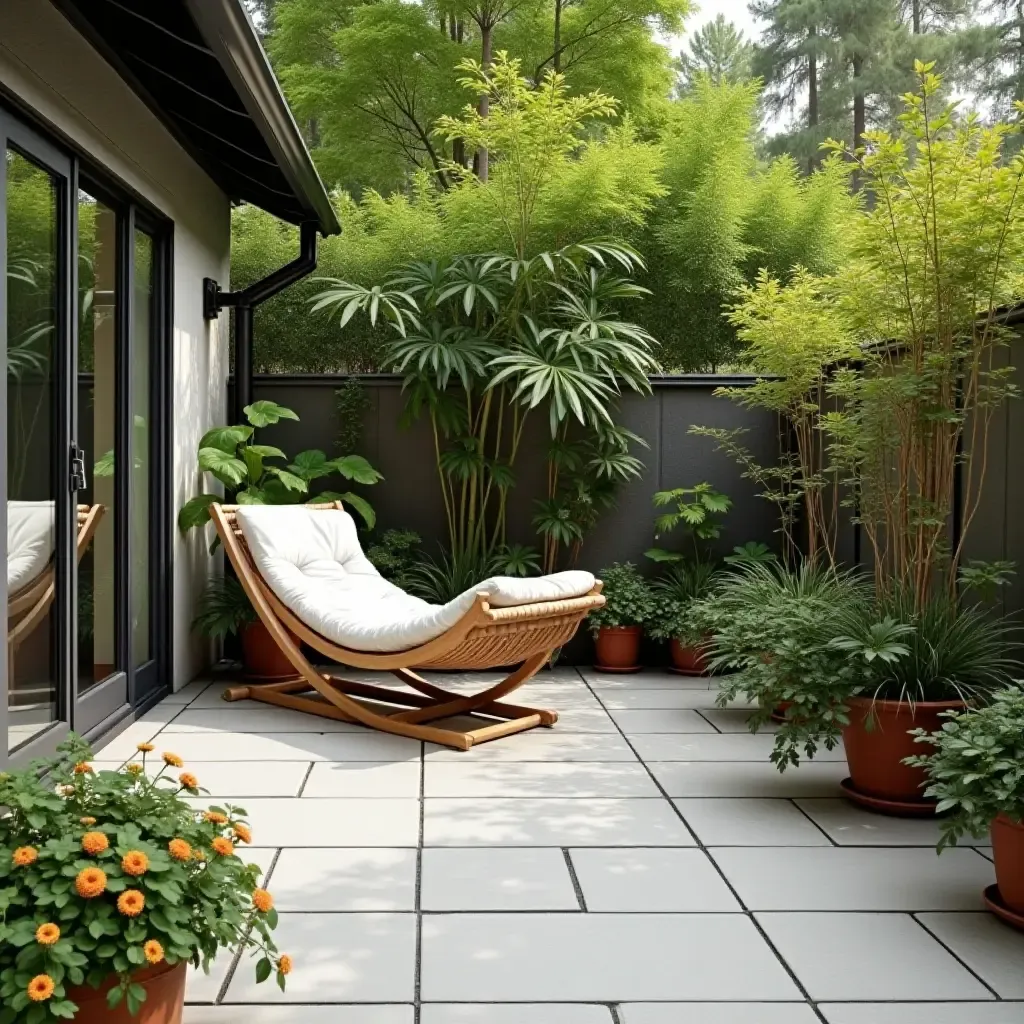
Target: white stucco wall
54,71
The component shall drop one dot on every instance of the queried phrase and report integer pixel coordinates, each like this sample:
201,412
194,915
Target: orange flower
262,900
188,780
47,934
223,846
87,821
134,768
172,759
216,817
90,883
179,849
198,854
242,833
95,842
145,748
154,951
40,988
131,902
83,769
135,863
25,855
284,965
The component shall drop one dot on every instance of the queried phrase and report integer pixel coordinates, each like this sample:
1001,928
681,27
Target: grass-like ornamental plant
104,874
627,599
673,597
976,769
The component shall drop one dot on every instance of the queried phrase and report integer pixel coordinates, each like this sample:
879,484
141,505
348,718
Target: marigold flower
145,748
135,863
40,988
47,934
95,842
262,900
154,951
131,902
188,780
83,769
87,821
242,833
179,849
90,883
172,759
284,965
223,846
25,855
134,768
216,817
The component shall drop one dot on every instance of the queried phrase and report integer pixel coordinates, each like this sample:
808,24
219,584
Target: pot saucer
882,805
686,671
995,903
623,671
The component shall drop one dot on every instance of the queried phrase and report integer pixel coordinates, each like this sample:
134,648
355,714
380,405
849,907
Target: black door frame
101,708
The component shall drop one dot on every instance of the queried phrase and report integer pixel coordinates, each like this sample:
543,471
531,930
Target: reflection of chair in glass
30,571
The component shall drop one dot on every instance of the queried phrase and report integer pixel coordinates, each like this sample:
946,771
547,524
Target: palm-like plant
487,340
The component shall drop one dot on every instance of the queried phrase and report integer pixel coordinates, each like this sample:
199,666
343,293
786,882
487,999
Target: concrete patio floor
641,863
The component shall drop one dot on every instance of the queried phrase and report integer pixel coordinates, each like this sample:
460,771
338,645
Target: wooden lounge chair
481,637
30,602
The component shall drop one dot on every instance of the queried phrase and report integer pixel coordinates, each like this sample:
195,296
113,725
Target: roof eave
228,31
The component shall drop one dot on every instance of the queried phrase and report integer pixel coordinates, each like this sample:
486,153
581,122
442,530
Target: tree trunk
483,164
916,16
459,152
460,30
557,61
812,91
859,112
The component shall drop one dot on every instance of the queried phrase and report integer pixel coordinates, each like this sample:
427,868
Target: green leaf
356,468
268,451
288,480
227,439
226,468
362,506
251,496
264,413
661,555
196,511
310,465
263,970
104,465
253,463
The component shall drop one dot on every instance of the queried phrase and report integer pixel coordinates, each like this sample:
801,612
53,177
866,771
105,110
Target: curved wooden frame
483,638
27,607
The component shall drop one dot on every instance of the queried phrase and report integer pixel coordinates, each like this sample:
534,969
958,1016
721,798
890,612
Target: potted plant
674,599
976,773
618,626
847,665
111,883
225,610
231,457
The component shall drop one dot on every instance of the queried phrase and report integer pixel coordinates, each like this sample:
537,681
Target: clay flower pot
618,648
1008,853
262,659
687,659
876,743
165,998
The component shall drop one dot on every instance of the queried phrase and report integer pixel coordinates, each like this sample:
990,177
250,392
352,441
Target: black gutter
244,302
229,33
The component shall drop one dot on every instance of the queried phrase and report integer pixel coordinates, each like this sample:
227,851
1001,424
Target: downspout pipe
245,302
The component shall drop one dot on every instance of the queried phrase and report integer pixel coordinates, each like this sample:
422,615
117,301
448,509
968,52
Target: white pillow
30,530
312,561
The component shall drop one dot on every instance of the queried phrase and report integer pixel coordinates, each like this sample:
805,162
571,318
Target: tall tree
719,51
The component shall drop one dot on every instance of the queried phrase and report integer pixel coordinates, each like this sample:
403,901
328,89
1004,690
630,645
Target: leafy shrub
224,608
627,598
394,554
673,597
105,873
977,767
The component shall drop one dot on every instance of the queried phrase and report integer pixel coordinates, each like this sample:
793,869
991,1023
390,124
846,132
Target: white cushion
29,541
312,561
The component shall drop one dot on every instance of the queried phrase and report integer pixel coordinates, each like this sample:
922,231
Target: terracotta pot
875,752
1008,853
618,648
262,659
688,658
779,711
165,998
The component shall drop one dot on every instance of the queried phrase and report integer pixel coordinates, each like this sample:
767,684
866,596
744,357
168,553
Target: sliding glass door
80,310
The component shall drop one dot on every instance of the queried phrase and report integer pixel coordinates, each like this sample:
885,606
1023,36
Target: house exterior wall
51,69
